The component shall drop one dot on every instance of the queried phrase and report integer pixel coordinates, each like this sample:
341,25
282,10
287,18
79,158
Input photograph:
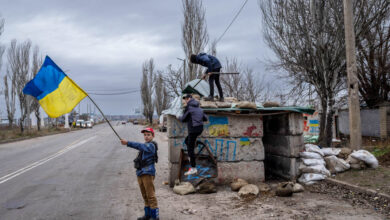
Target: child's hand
123,142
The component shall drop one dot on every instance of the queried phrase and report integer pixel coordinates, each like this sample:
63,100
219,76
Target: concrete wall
370,122
283,141
235,140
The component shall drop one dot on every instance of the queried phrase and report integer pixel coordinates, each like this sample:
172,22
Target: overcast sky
101,45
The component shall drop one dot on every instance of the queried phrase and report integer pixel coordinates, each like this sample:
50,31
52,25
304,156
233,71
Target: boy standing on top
213,65
144,163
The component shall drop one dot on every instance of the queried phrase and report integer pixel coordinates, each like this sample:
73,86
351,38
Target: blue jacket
211,62
194,116
148,150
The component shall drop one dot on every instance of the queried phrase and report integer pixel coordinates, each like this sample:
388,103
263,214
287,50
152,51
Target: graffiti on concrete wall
223,149
250,132
218,126
311,124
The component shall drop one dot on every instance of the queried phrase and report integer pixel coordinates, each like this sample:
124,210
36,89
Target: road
83,174
87,174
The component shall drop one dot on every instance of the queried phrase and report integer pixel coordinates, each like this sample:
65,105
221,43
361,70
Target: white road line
44,160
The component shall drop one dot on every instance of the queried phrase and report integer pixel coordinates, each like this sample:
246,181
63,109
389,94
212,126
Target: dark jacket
194,116
211,62
147,150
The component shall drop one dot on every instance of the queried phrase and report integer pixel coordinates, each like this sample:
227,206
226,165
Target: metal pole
104,116
353,90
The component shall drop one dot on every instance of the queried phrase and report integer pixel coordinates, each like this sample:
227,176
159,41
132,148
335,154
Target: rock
336,165
237,184
285,189
184,188
263,187
271,104
344,153
206,188
298,188
248,190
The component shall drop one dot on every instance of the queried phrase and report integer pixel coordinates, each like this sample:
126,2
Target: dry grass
14,134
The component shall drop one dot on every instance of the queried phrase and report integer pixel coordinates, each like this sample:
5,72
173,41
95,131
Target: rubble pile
320,163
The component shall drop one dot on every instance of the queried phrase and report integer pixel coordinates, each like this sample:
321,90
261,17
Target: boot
210,98
154,214
221,99
147,214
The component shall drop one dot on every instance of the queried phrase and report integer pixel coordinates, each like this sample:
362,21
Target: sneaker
191,171
221,99
209,99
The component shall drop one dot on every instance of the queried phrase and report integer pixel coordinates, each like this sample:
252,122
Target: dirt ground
321,201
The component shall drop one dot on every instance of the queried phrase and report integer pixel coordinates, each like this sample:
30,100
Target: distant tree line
22,65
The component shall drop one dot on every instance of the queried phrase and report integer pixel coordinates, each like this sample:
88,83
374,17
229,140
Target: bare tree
19,63
161,94
373,64
10,95
308,39
174,81
194,34
147,89
36,63
232,84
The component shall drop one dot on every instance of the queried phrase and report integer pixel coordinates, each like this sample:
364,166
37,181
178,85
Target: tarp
198,86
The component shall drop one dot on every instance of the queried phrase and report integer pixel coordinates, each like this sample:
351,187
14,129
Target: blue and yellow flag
55,91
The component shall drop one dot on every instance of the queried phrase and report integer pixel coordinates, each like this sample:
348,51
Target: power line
116,93
235,17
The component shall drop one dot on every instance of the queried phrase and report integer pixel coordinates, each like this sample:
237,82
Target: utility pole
353,90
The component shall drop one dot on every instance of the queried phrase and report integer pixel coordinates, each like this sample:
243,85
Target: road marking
44,160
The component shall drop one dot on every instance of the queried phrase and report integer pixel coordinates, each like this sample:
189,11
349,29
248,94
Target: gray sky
101,45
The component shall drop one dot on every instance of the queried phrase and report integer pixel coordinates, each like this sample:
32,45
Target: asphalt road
83,174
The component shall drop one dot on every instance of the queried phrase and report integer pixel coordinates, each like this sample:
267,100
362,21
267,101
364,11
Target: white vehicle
88,124
79,123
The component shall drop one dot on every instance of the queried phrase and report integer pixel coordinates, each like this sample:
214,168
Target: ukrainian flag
56,92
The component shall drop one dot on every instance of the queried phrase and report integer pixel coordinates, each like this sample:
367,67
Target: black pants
190,142
212,78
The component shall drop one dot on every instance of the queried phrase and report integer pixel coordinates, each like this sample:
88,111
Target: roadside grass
14,134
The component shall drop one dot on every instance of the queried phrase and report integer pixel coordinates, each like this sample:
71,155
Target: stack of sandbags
362,158
207,104
312,167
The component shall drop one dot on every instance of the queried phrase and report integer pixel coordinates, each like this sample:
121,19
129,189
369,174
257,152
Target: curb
357,188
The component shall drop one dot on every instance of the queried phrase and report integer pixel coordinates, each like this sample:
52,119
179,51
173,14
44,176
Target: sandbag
367,157
328,151
310,155
207,104
249,190
184,188
344,153
313,148
195,96
223,104
284,189
206,188
271,104
230,99
321,169
355,163
313,162
246,104
237,184
298,188
310,178
336,165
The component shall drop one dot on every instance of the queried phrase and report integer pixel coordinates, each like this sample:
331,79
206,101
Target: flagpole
104,116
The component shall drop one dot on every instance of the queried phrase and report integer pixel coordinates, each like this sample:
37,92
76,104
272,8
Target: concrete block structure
245,143
283,141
